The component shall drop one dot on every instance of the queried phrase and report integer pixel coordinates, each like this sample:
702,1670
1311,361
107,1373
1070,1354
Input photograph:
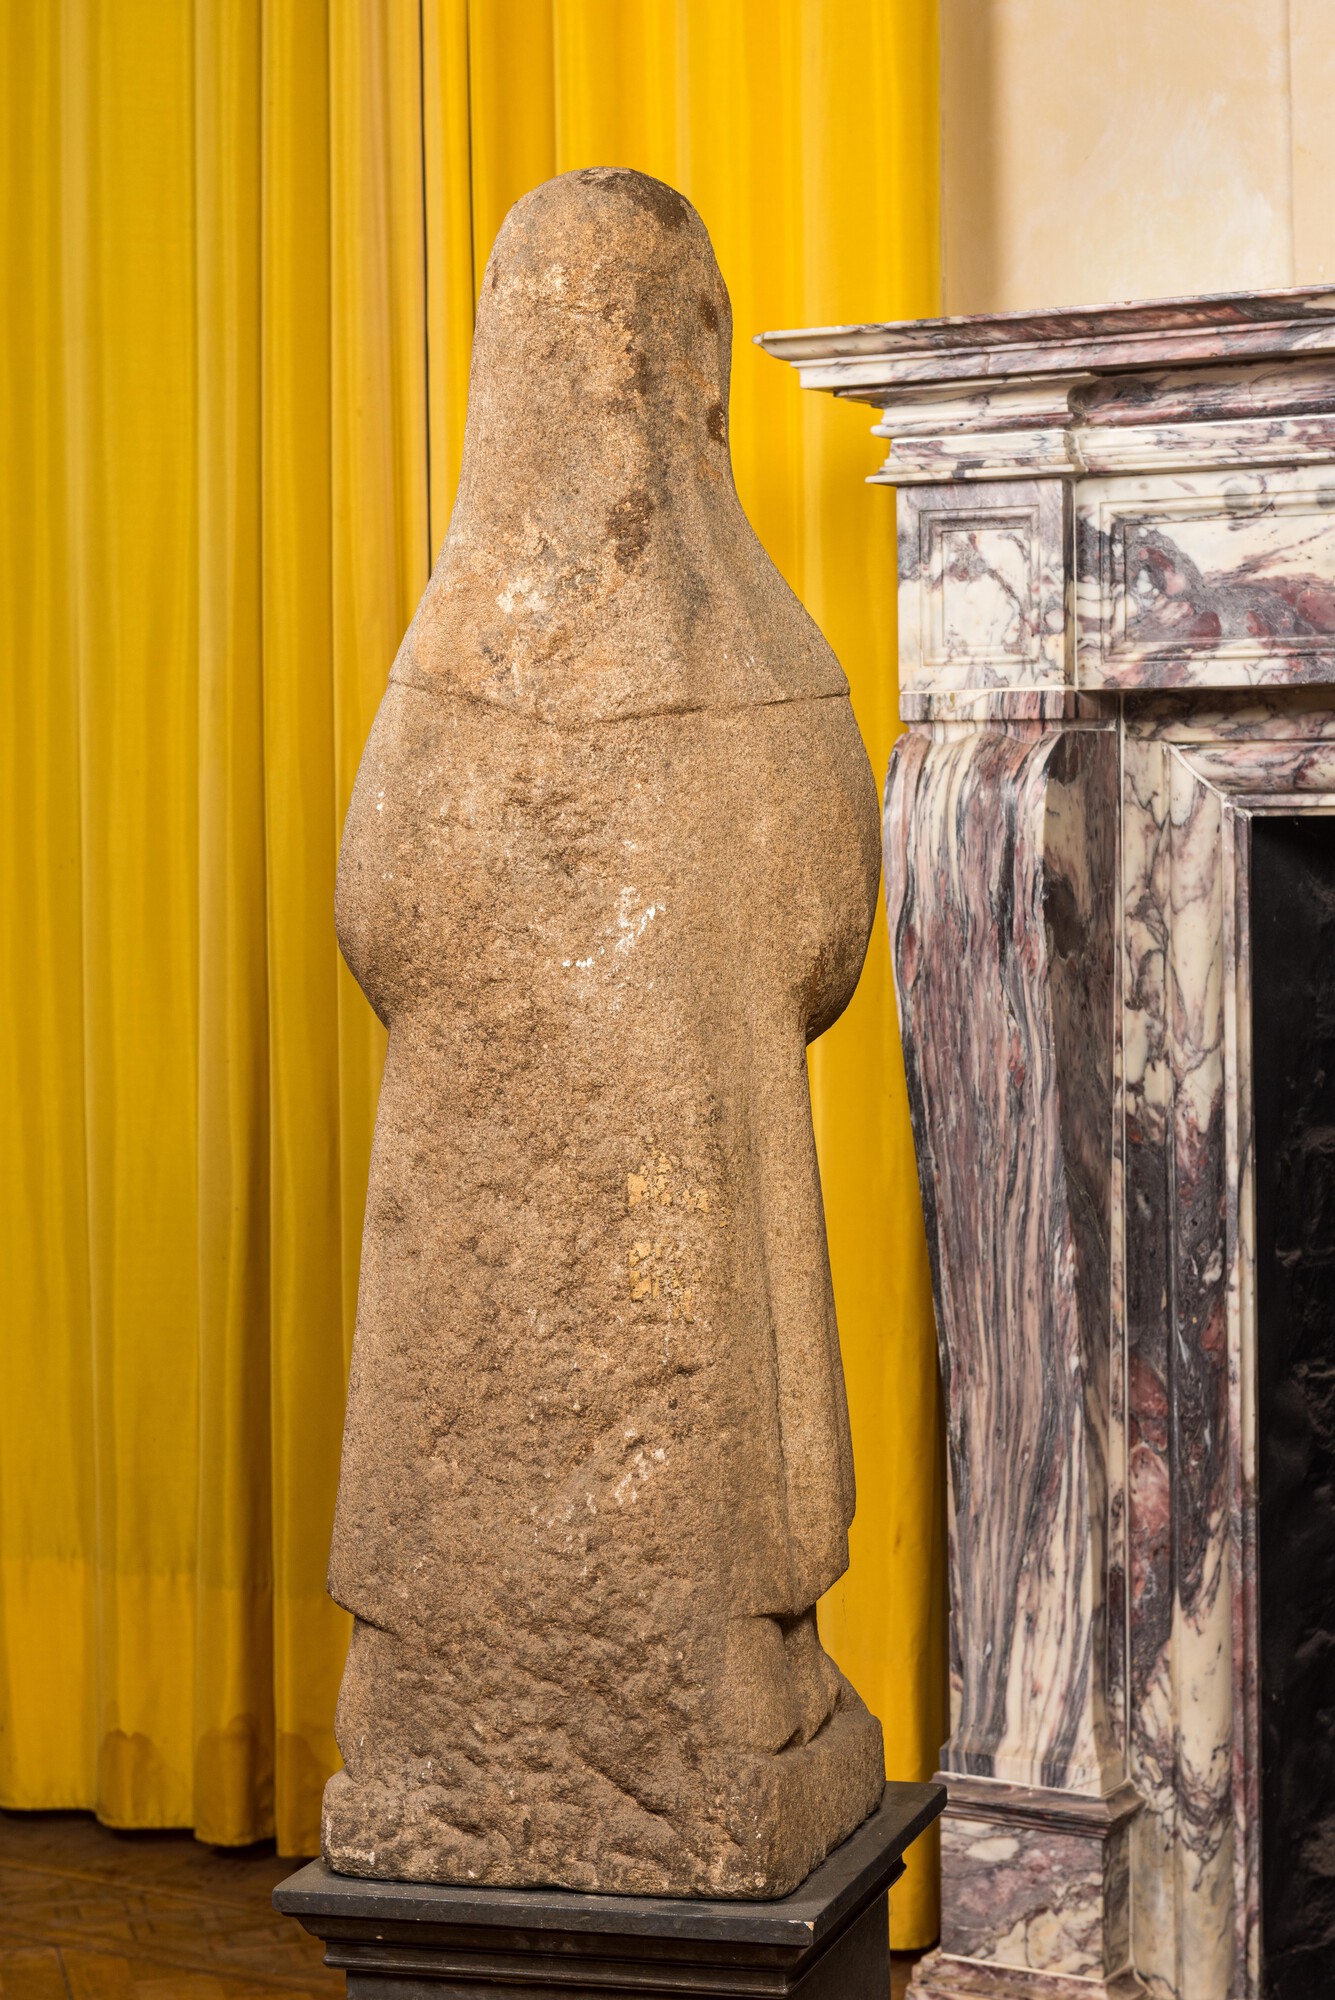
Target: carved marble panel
1225,578
982,586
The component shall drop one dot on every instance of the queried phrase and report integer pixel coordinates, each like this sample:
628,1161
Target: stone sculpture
611,862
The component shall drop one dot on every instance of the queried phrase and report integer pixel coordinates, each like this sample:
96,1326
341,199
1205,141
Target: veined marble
876,363
1000,872
982,590
1117,657
1041,1883
1227,572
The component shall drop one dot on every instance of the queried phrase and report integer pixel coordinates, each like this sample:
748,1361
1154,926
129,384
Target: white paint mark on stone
633,922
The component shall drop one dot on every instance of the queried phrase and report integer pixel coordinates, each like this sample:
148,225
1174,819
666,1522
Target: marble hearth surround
1117,646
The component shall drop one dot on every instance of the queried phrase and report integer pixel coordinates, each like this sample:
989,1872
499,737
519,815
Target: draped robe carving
610,863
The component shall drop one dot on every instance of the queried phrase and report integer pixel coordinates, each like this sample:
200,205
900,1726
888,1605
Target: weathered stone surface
611,862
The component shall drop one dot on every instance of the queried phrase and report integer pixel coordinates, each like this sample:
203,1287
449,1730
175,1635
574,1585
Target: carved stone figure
610,864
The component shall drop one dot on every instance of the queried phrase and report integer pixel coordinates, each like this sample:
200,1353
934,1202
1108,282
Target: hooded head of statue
598,561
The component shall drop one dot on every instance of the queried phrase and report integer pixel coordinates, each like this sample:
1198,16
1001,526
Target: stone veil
611,862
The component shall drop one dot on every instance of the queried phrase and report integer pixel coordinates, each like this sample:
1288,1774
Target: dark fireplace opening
1293,1070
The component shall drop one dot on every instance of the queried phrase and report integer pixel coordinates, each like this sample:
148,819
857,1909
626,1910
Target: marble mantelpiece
1116,658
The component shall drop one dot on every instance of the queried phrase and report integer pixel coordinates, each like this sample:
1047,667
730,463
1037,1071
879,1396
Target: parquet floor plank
109,1976
90,1914
32,1974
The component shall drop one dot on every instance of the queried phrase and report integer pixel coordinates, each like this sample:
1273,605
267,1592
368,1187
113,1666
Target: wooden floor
87,1914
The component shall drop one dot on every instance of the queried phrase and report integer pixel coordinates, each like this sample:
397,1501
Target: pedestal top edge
1209,312
861,1866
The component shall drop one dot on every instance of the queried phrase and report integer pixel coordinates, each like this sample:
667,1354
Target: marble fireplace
1110,880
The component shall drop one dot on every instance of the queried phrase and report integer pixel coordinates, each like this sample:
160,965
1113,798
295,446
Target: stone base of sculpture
828,1940
732,1824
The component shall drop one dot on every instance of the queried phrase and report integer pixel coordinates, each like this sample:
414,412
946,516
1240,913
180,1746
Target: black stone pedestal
421,1941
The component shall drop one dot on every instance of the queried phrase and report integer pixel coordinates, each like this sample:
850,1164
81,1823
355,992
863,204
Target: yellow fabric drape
242,243
215,530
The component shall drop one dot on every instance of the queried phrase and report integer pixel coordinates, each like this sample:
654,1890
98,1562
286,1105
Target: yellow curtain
242,240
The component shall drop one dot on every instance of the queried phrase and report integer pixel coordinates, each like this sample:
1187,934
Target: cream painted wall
1118,149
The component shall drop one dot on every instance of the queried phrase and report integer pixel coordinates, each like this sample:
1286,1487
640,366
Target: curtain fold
306,1331
128,335
243,240
48,1611
232,1764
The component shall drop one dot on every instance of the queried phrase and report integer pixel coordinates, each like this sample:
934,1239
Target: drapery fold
243,243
